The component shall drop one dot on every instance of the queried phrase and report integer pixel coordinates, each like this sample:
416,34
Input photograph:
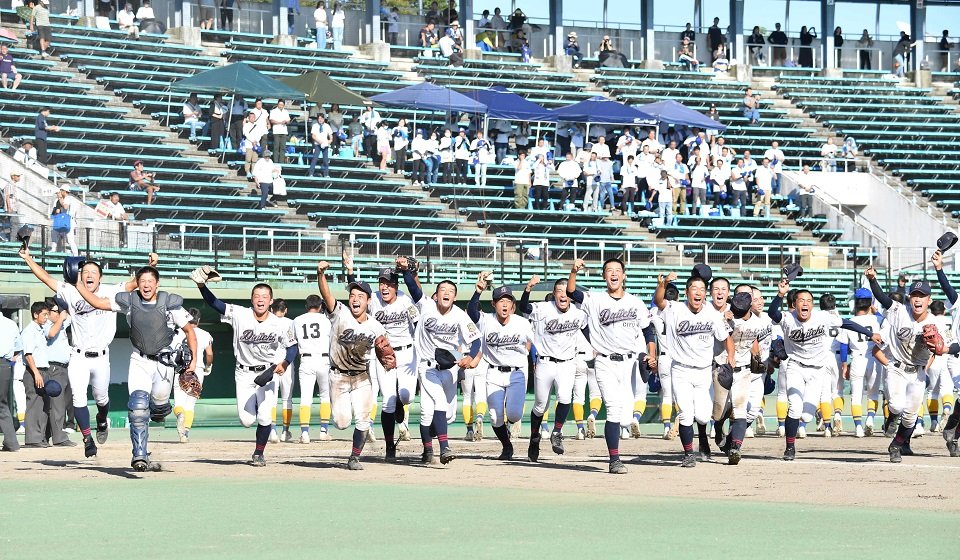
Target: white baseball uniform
556,335
746,393
351,351
663,367
312,333
908,355
939,380
807,377
764,329
505,347
204,341
862,363
586,376
284,382
399,319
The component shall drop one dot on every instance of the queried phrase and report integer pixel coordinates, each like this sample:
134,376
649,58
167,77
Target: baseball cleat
274,438
749,432
828,432
141,464
666,433
624,433
506,454
258,461
759,425
478,428
286,436
635,428
859,432
353,463
689,460
790,453
447,455
733,458
781,431
949,434
801,432
918,430
324,436
820,425
371,437
581,434
89,447
304,437
617,467
404,432
890,426
952,448
470,436
837,424
427,457
556,442
103,430
181,428
705,453
895,453
868,429
906,450
591,427
184,438
533,450
941,425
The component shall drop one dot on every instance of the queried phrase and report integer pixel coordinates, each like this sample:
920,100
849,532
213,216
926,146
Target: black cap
502,292
921,286
24,233
388,274
360,285
446,359
740,304
792,271
946,241
702,271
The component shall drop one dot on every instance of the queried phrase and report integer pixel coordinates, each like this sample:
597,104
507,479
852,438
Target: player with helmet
185,403
312,331
858,350
154,317
258,337
951,428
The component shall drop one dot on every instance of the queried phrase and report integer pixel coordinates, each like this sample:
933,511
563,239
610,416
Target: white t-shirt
125,18
809,342
449,331
256,342
321,131
555,333
903,336
93,329
602,150
777,155
399,318
628,175
312,332
279,118
654,144
699,176
522,172
352,342
616,325
691,336
764,178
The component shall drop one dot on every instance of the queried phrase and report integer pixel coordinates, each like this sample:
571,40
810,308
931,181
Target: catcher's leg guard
138,413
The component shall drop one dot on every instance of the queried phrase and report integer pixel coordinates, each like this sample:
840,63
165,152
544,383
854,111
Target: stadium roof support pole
736,31
466,18
827,24
556,26
646,29
373,20
698,15
278,27
918,30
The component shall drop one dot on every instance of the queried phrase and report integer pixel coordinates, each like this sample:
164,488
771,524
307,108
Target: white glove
205,274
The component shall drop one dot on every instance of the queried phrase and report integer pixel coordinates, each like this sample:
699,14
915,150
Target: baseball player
356,339
719,296
618,321
939,380
950,428
782,403
184,403
505,346
671,293
92,332
858,349
258,336
474,389
442,330
807,343
284,382
831,405
153,316
312,331
585,378
556,326
692,330
764,328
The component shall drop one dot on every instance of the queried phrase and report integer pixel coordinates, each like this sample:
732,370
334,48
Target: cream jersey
765,333
583,346
809,342
505,344
93,329
857,344
204,341
398,318
450,331
903,335
555,332
256,342
746,331
288,325
351,342
616,325
691,336
312,332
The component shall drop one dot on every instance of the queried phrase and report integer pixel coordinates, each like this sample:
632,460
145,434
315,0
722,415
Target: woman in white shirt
591,171
336,26
417,150
384,135
461,154
191,115
446,156
401,139
433,158
541,183
482,157
320,17
699,176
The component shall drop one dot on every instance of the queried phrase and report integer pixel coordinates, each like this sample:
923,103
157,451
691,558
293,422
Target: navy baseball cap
946,241
792,271
920,286
360,285
503,292
388,274
863,293
740,304
702,270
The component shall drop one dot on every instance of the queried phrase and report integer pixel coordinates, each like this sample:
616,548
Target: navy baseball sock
737,431
102,410
611,433
902,439
704,436
503,434
686,438
791,425
535,421
82,415
718,432
560,416
952,421
425,437
359,437
388,421
263,436
440,425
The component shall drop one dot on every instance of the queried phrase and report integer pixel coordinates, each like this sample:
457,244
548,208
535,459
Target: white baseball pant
755,398
506,392
95,372
743,393
254,403
314,371
552,375
584,378
614,380
691,391
807,386
953,366
664,364
474,385
150,376
939,379
862,369
285,388
905,389
399,382
19,391
438,392
351,398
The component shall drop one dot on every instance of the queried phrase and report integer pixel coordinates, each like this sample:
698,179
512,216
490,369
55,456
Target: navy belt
350,373
909,368
506,368
91,353
554,360
307,355
59,364
618,357
253,368
401,348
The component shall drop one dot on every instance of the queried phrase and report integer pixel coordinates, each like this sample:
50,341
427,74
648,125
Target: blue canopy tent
504,104
602,110
429,97
669,112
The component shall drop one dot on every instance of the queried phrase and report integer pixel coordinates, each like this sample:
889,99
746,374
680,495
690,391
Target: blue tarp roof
602,110
669,112
429,97
504,104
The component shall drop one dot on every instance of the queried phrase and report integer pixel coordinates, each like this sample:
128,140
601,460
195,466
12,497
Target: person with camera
751,106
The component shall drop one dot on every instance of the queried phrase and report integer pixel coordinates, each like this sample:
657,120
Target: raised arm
858,328
948,290
93,299
348,267
878,293
38,270
411,280
776,303
325,294
524,306
572,291
659,296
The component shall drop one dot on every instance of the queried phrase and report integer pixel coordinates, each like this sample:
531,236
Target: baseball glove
725,376
933,340
413,265
385,352
205,274
190,384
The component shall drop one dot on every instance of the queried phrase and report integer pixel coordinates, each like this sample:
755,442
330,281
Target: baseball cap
921,286
792,271
703,271
946,241
863,293
388,274
503,292
360,285
740,304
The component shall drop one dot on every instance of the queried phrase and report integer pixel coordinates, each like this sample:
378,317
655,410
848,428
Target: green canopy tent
321,88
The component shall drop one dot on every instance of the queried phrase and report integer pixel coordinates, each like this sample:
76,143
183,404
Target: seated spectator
804,193
145,12
142,181
428,37
755,43
455,33
609,56
487,40
125,21
8,70
26,153
829,154
192,114
116,209
111,209
690,63
720,61
751,104
572,49
450,50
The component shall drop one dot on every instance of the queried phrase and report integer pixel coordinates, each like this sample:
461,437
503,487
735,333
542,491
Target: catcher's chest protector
149,332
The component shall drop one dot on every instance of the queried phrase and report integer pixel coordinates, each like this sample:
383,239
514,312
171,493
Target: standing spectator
651,142
715,37
293,10
838,47
65,239
433,14
384,139
393,26
335,120
11,347
864,45
805,190
680,179
450,13
572,49
252,135
523,136
40,130
263,177
663,189
901,54
591,173
461,153
192,114
279,121
945,46
805,58
207,14
261,117
7,68
401,139
126,21
719,177
432,158
521,181
751,106
356,137
40,23
778,39
428,38
370,119
450,50
418,150
116,212
502,128
688,33
606,182
321,136
541,183
601,148
755,43
686,57
484,22
9,193
775,156
142,181
738,188
59,353
764,178
337,20
226,13
218,110
569,172
482,156
446,156
238,114
699,176
828,153
44,414
849,151
628,183
320,21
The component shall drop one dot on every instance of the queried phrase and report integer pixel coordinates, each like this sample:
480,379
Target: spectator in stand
901,55
262,117
335,120
8,71
518,22
40,129
501,128
699,176
569,171
669,154
226,13
263,177
776,157
484,22
143,181
483,156
450,50
828,153
207,14
863,50
418,150
26,154
680,179
651,142
337,22
446,156
125,21
393,26
748,166
719,177
805,59
65,240
805,190
9,192
541,183
945,46
428,37
627,146
192,114
778,39
721,62
433,14
521,181
321,136
384,140
837,45
572,49
401,139
461,154
279,122
455,33
738,188
498,24
117,211
715,38
628,185
238,114
661,190
40,23
686,57
293,10
370,119
433,159
755,43
252,136
591,174
218,111
764,179
688,33
320,24
751,106
609,56
601,148
849,150
606,182
450,13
